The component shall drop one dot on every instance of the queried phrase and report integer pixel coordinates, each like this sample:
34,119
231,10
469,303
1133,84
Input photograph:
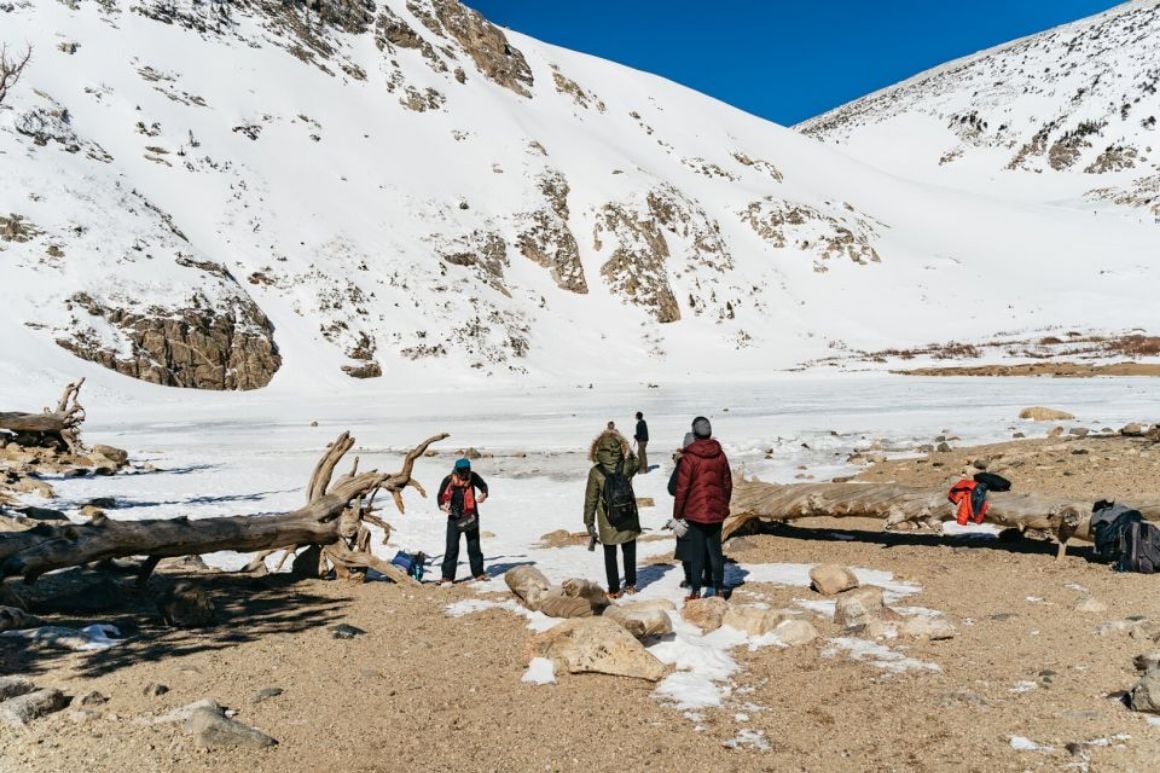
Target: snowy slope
230,194
1069,116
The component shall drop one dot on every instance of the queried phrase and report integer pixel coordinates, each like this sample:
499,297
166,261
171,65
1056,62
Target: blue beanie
462,464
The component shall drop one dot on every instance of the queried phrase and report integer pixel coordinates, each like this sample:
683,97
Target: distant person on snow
458,499
610,512
684,549
703,491
641,438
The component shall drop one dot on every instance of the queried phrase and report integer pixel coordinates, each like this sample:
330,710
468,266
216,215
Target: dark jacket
704,483
641,435
609,450
476,482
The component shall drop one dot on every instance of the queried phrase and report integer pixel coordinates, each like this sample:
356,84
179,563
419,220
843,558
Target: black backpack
1109,521
1139,548
619,498
992,481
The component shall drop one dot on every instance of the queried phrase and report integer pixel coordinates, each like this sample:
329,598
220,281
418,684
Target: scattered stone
1091,606
795,632
1040,413
153,690
707,614
1018,435
943,447
1145,696
102,503
1134,429
12,686
562,538
187,606
266,694
981,464
184,713
24,708
115,455
829,579
344,631
93,699
1055,432
1079,431
14,619
753,620
595,645
923,627
1147,661
214,730
859,606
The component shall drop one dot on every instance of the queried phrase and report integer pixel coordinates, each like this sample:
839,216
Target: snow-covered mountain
229,193
1069,116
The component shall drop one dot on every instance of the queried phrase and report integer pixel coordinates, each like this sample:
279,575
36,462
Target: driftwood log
61,424
753,500
334,519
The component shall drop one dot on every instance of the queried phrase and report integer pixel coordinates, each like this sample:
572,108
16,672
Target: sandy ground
422,689
1048,368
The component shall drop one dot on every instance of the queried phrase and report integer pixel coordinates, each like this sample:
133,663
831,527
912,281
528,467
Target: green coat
608,455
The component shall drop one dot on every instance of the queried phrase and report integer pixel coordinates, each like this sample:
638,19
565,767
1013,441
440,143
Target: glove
592,530
679,527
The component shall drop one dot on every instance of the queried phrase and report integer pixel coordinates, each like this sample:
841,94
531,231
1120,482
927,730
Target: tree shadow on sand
247,609
1009,541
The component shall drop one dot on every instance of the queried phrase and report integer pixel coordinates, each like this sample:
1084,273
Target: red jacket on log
704,483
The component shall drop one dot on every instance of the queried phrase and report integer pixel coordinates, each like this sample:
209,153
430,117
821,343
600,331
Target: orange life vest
468,493
962,494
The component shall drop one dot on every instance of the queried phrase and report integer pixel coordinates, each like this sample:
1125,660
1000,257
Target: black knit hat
702,428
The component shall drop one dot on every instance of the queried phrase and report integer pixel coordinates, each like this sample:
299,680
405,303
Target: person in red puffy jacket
704,488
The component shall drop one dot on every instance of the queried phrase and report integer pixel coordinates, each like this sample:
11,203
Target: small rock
1147,661
1091,606
266,694
922,627
751,619
859,606
344,631
1134,429
1145,696
153,690
981,464
829,579
24,708
187,606
795,632
115,455
1039,413
213,729
1079,431
314,424
12,686
707,614
1055,432
943,447
102,503
92,699
1018,435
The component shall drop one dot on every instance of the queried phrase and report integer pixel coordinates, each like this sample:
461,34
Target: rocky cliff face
197,346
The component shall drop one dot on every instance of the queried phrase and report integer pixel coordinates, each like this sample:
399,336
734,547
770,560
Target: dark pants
684,554
706,547
451,551
610,568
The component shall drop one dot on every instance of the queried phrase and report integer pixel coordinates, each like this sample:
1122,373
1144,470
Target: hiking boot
444,582
630,590
481,578
614,594
693,596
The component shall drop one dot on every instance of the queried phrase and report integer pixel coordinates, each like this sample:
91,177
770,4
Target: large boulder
859,606
707,614
641,621
556,603
1145,696
527,582
595,645
752,619
828,579
12,686
1040,413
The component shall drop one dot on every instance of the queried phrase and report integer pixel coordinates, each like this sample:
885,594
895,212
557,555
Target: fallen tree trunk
333,519
63,423
756,500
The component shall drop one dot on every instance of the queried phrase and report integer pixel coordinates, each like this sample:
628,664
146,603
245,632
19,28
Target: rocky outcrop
201,345
548,241
580,95
484,252
826,235
485,43
636,270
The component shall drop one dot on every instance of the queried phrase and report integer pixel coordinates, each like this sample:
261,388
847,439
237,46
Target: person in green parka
611,453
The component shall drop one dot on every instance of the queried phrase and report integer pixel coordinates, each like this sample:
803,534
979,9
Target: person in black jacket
641,438
458,499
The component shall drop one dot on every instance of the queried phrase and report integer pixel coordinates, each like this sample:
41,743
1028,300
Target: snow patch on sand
878,655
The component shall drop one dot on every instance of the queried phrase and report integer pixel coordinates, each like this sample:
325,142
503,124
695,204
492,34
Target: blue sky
785,60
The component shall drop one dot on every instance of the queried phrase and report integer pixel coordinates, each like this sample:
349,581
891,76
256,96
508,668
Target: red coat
704,483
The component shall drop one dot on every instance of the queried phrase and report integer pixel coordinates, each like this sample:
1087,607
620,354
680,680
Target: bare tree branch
11,68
